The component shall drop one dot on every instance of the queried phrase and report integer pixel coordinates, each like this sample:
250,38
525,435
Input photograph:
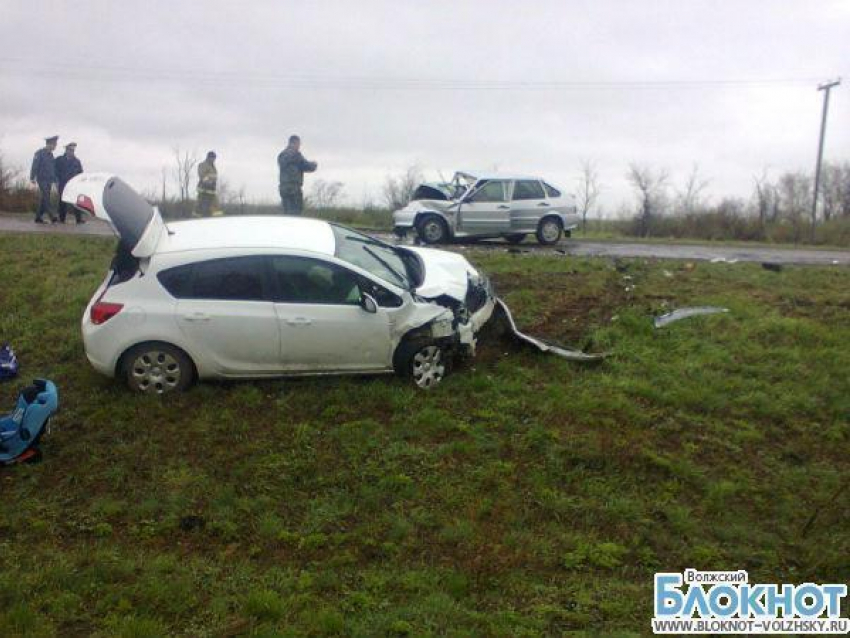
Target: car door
323,326
225,312
486,210
528,205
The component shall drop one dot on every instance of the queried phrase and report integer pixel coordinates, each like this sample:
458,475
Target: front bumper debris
545,346
683,313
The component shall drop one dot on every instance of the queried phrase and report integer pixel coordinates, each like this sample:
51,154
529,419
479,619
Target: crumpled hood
446,273
417,205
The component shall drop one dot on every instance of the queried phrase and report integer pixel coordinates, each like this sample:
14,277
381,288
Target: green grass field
525,496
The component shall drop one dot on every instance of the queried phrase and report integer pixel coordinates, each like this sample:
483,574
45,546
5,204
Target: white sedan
253,297
482,205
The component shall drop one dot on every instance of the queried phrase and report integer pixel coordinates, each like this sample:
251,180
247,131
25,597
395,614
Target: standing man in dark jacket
292,168
43,173
68,166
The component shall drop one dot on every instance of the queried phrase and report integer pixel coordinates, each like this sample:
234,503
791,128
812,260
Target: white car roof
499,175
295,233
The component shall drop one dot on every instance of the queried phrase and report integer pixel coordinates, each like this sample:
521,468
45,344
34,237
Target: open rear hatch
138,225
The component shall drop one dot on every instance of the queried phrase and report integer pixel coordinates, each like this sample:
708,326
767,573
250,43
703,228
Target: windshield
460,184
374,256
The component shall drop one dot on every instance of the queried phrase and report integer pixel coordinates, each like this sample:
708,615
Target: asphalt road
577,247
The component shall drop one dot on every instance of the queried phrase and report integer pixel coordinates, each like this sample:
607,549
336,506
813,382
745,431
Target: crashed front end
456,299
463,320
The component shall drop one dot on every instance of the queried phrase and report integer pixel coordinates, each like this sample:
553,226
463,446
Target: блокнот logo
696,602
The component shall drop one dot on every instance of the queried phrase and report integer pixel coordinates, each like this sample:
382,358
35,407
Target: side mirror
368,303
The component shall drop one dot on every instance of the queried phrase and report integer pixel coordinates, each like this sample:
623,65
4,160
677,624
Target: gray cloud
375,86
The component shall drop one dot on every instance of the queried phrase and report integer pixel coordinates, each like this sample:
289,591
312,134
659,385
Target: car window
305,280
551,191
527,189
492,191
177,281
234,278
381,295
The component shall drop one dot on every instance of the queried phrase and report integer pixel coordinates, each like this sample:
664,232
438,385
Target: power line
119,74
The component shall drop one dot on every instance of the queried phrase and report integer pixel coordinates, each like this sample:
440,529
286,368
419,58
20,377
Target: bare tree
795,192
397,191
835,190
8,174
324,194
164,186
588,190
184,169
689,198
650,189
765,198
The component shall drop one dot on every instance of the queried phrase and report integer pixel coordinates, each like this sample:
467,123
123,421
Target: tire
549,231
425,362
515,239
157,368
432,230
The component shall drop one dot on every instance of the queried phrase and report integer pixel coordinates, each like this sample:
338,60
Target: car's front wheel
549,231
426,362
432,230
157,368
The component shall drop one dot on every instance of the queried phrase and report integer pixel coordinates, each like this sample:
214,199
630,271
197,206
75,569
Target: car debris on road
545,346
683,313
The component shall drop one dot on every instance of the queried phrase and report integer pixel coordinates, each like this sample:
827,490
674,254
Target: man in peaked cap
43,173
68,166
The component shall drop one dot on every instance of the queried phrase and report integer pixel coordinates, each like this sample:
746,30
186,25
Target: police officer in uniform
207,183
292,167
43,173
68,166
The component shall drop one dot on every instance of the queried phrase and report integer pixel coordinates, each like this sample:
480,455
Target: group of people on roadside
48,173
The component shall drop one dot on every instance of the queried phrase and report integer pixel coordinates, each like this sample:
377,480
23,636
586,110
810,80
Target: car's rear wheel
157,368
432,230
515,239
549,231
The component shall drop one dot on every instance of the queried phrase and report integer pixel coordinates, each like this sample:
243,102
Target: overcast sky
376,86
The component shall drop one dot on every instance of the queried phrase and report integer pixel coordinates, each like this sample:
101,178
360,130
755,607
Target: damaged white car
486,205
252,297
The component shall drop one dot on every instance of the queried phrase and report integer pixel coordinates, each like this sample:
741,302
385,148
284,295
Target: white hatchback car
252,297
483,205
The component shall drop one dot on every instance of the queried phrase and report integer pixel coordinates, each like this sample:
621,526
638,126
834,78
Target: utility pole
826,89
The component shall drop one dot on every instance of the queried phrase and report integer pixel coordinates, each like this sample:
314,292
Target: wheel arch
552,215
422,214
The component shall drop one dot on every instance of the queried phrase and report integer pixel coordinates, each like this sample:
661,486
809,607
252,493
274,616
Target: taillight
85,203
103,311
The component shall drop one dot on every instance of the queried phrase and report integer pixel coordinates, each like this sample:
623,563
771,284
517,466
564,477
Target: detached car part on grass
486,205
684,313
21,431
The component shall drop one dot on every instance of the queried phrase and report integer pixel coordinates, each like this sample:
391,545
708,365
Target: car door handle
543,204
503,207
196,316
299,321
